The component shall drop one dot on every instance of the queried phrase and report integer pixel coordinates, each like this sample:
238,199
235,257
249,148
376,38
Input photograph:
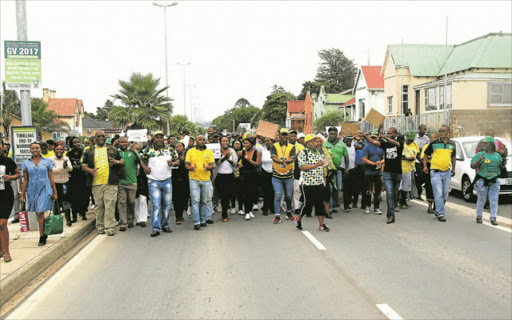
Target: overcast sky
236,49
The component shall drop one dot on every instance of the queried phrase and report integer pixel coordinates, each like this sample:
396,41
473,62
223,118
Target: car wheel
468,196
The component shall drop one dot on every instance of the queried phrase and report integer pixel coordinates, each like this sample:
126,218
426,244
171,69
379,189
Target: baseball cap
309,137
292,131
158,133
411,134
374,134
488,139
301,135
283,130
349,137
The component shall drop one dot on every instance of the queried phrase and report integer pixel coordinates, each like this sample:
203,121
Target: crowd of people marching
292,175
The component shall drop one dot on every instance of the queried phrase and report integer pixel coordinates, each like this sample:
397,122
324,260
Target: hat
411,134
332,129
488,139
283,130
309,137
374,133
319,135
301,135
292,131
349,137
157,133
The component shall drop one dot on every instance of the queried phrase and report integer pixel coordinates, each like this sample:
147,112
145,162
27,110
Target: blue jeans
335,198
201,193
493,190
391,182
440,185
158,191
279,185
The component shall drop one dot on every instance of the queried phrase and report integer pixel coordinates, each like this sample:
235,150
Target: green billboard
22,64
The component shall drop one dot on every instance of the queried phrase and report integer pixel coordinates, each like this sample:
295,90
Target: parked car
464,175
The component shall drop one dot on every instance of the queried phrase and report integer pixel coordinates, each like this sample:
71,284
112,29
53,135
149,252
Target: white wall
372,98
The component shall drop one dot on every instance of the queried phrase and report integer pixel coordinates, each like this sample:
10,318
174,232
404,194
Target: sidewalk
29,260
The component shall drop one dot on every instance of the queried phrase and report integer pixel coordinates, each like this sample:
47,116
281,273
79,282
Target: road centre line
388,311
56,279
311,238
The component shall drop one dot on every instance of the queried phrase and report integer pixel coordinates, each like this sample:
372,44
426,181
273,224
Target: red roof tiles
349,102
374,80
63,107
295,106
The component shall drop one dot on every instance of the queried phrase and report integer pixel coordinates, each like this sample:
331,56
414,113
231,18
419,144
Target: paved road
504,207
419,267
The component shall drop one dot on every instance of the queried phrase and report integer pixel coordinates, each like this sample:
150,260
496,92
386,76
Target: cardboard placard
349,129
215,148
140,135
375,117
267,129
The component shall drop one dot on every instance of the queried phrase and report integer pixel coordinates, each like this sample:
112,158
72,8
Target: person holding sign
488,164
283,155
199,162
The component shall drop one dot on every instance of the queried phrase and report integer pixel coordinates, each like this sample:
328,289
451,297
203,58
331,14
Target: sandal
430,211
7,256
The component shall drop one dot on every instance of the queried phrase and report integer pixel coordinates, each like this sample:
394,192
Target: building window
362,110
405,99
448,95
500,94
430,99
390,104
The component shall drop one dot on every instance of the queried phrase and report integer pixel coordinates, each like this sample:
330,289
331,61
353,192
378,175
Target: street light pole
184,65
165,40
21,23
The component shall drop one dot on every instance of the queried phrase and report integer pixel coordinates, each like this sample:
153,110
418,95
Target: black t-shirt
392,156
10,169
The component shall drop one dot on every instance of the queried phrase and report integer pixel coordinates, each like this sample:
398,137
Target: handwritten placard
375,117
267,129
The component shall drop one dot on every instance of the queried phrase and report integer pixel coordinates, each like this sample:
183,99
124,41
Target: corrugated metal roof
337,98
90,123
423,60
374,79
349,102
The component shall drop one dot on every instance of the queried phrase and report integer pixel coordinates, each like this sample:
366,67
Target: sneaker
404,206
92,207
289,216
251,215
265,212
328,216
189,212
346,209
101,231
478,219
233,210
111,232
277,220
209,221
324,228
255,207
441,218
298,224
334,211
367,210
225,219
241,212
122,229
397,209
143,224
197,227
247,216
494,222
204,225
377,211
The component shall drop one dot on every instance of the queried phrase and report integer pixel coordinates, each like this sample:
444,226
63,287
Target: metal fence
432,120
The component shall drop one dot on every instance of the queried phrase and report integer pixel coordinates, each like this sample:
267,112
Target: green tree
336,68
181,123
46,121
242,112
314,87
145,106
274,108
329,119
11,109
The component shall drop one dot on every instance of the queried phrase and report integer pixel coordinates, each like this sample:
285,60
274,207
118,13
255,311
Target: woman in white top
266,178
224,172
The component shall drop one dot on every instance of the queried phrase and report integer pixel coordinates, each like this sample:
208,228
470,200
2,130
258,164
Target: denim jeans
201,193
493,190
335,198
440,186
158,191
279,185
391,182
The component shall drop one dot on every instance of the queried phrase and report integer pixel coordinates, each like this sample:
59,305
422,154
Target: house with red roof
295,115
69,110
368,91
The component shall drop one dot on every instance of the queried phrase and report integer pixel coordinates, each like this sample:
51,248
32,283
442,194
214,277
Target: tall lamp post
165,6
184,65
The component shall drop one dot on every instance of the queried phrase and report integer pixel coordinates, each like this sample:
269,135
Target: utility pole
21,24
184,65
445,66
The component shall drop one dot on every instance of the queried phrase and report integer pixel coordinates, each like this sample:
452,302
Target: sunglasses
100,136
440,131
284,134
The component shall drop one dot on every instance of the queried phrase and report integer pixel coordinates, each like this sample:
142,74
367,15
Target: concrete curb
21,277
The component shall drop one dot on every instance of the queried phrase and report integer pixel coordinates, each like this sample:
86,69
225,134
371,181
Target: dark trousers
267,191
249,190
224,186
359,179
419,177
180,197
351,187
369,182
314,196
79,198
62,199
237,194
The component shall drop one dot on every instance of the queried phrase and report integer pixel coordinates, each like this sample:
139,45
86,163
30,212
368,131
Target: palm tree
145,105
46,121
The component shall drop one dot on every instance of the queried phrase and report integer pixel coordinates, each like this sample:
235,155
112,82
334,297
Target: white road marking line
388,311
311,238
497,227
56,279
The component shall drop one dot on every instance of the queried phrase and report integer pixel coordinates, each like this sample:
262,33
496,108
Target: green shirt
130,166
490,167
339,151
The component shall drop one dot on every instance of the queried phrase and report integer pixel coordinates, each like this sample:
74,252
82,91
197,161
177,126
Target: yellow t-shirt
410,150
101,162
198,158
48,155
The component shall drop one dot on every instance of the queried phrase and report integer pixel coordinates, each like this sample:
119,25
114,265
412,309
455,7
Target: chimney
45,95
313,96
52,94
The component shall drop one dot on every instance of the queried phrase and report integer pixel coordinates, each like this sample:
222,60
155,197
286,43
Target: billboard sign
22,137
22,64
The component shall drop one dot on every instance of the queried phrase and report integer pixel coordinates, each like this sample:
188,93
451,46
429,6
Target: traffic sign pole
21,22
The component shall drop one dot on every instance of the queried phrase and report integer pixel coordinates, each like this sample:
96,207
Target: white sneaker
367,210
241,212
233,210
255,207
251,215
92,207
189,212
377,211
248,217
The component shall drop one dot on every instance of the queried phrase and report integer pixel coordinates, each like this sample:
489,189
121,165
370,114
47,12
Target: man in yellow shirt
45,151
199,162
408,158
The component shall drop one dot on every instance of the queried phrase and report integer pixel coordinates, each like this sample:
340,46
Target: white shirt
60,174
266,160
351,157
160,169
226,167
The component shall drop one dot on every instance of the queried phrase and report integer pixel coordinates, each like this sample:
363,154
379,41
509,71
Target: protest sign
215,148
22,137
137,135
375,117
267,129
186,140
349,129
